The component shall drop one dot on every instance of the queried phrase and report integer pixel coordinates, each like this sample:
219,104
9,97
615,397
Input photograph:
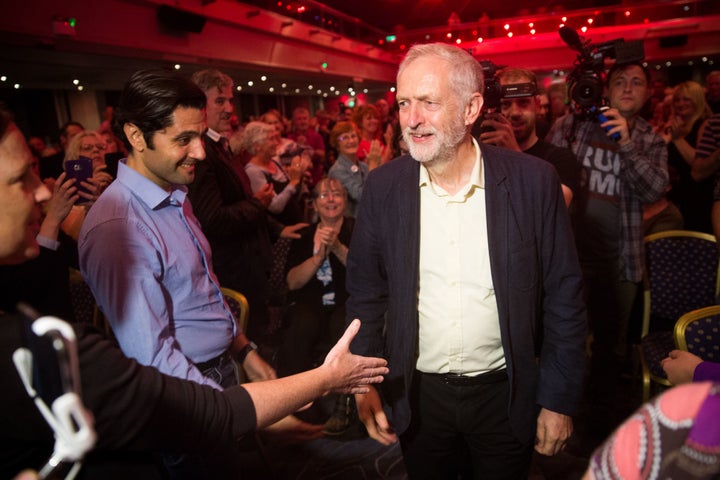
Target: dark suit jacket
535,271
238,228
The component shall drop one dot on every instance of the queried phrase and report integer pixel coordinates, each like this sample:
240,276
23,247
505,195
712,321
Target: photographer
516,128
620,177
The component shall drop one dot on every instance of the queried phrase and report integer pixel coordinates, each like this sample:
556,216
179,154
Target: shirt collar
147,191
477,179
215,136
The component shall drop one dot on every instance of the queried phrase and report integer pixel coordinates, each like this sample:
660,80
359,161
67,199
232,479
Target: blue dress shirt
149,266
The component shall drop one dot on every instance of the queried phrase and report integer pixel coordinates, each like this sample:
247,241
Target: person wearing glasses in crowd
317,294
348,169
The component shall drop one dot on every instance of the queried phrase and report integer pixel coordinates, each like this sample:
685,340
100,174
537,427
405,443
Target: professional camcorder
587,80
493,92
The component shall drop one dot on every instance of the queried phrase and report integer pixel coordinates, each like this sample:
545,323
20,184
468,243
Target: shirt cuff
48,243
707,371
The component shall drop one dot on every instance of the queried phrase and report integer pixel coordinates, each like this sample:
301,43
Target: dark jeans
462,430
192,466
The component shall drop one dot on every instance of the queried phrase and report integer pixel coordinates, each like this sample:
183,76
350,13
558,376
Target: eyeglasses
89,148
348,136
334,194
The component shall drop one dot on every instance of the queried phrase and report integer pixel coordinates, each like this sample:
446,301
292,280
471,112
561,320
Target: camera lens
587,91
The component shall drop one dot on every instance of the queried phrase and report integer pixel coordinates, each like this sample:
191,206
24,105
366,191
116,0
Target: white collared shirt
459,329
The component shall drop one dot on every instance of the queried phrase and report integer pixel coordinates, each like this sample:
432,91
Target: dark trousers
462,430
195,466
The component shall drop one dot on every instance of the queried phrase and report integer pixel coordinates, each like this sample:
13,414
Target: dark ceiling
394,15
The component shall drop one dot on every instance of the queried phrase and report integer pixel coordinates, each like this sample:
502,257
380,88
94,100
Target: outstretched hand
352,374
291,231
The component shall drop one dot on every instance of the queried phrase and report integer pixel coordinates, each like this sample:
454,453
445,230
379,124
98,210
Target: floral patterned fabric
676,436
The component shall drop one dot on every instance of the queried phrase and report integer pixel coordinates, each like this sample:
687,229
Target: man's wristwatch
250,346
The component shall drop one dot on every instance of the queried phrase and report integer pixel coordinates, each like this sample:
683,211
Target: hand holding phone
81,170
602,119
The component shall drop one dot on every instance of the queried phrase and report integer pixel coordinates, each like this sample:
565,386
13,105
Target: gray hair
255,133
464,72
209,78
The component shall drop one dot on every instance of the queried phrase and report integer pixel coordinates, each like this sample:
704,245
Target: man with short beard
463,270
516,129
144,256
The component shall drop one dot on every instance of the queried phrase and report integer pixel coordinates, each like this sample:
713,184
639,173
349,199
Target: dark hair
619,67
149,100
71,123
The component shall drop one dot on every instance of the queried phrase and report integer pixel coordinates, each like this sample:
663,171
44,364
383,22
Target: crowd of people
477,264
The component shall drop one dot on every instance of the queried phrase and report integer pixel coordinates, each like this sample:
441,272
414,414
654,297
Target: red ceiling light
627,13
301,9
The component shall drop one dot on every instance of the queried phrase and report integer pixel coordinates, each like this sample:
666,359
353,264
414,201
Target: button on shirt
148,264
459,328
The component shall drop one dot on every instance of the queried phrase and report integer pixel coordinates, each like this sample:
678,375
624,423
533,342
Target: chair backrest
681,275
238,305
698,332
83,303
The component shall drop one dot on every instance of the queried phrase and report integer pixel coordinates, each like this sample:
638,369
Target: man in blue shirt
141,248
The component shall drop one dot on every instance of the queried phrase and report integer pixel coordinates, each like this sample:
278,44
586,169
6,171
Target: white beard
443,145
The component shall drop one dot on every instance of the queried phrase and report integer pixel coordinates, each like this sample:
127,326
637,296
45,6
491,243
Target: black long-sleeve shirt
136,408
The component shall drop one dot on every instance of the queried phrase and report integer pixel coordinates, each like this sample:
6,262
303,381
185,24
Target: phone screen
81,170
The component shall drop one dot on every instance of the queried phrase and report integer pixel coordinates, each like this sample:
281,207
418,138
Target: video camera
587,80
493,92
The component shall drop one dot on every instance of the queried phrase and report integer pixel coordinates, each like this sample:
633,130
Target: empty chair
681,275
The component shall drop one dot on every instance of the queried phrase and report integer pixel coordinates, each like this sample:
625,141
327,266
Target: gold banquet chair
83,303
698,332
240,309
681,275
238,306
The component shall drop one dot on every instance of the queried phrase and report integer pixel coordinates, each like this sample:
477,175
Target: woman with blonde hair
87,144
694,199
